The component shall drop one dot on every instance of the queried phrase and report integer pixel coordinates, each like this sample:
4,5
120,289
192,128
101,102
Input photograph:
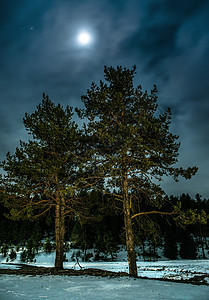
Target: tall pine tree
129,145
42,173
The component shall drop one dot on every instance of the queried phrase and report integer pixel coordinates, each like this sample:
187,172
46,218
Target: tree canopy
131,144
124,150
42,174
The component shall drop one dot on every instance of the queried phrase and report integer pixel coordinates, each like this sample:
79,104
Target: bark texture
59,235
129,231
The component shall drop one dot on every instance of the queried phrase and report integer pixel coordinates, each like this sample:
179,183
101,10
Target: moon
84,38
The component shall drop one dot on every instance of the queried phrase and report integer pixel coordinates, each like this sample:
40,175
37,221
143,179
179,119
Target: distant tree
77,235
194,218
106,244
13,254
188,248
4,250
187,202
42,173
23,256
30,252
170,246
129,145
47,246
200,227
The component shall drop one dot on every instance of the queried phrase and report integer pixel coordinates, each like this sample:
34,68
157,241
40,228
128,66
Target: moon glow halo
84,38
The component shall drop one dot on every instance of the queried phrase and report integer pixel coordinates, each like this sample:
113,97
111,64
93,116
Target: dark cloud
174,10
167,40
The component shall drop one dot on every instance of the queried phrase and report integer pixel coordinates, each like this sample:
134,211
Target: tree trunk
59,234
201,241
129,231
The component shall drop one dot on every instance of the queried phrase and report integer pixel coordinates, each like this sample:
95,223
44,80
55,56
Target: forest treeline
106,234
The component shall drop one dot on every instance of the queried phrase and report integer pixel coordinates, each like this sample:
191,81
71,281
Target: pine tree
47,246
42,173
170,246
188,248
129,144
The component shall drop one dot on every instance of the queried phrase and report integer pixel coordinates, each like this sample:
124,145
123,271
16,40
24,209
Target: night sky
168,41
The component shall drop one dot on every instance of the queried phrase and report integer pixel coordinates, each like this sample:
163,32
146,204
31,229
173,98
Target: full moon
84,38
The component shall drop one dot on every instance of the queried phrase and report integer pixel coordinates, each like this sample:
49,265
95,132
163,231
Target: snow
89,287
175,269
93,288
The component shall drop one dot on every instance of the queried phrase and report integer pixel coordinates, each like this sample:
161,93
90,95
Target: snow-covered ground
93,288
87,287
175,269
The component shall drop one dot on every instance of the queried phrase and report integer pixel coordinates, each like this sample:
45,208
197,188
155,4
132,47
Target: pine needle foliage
130,145
42,174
